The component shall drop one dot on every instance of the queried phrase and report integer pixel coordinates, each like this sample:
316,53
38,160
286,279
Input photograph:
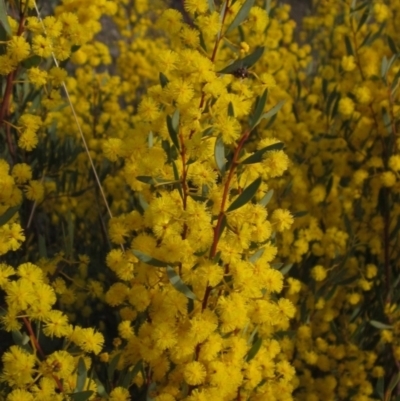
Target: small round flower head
281,219
194,373
318,273
346,106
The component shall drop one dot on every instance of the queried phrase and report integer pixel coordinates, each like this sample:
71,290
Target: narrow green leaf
219,155
178,284
32,61
3,18
148,259
273,111
246,195
8,214
254,349
164,81
112,366
300,214
211,5
70,243
81,396
380,387
81,375
142,202
173,126
384,66
393,382
380,325
131,374
221,230
256,255
285,269
349,47
231,110
177,178
267,197
245,62
392,45
257,157
363,19
20,339
259,108
240,16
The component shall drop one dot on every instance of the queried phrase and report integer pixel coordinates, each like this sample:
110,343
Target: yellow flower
348,63
346,106
319,273
41,46
119,394
18,49
34,190
196,6
282,219
194,373
56,324
37,76
21,172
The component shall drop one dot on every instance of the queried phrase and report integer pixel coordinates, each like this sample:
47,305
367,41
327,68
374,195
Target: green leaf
131,374
384,66
70,242
164,81
349,47
273,111
3,18
219,155
260,104
380,387
148,259
392,45
246,195
363,19
240,16
81,375
20,339
257,157
177,178
267,197
256,255
112,366
285,269
178,284
8,214
380,325
245,62
231,110
81,396
254,349
142,202
32,61
173,126
211,5
300,213
393,382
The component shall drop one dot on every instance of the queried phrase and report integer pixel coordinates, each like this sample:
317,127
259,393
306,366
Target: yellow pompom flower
196,6
37,76
194,373
18,49
318,273
21,172
119,394
388,179
346,106
348,63
394,162
34,190
281,219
